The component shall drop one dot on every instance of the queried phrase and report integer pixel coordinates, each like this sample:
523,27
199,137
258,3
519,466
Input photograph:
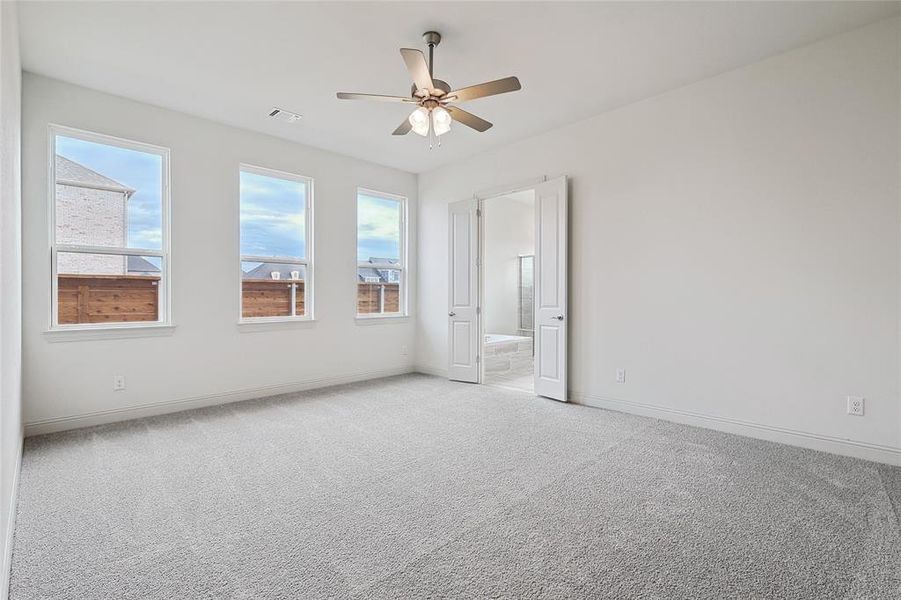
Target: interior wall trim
11,521
51,425
429,370
804,439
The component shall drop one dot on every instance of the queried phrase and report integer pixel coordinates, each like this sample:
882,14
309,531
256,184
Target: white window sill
384,319
107,332
271,323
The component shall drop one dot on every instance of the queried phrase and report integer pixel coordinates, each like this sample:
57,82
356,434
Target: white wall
208,358
734,244
10,281
509,230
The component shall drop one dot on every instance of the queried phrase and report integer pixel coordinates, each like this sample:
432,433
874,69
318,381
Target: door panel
551,289
462,356
463,325
548,353
547,243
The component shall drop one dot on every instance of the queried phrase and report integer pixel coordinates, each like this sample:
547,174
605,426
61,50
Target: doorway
508,290
499,348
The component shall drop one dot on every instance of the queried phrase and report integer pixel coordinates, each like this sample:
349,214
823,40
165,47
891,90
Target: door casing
480,199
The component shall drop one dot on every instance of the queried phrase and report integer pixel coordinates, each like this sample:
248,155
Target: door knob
452,314
559,317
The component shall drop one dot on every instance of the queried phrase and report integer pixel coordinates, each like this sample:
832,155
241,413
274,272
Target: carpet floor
416,487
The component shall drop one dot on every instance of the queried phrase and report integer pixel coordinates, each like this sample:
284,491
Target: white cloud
379,221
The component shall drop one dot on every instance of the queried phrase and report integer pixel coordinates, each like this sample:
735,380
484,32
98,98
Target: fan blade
404,128
418,68
491,88
380,98
468,119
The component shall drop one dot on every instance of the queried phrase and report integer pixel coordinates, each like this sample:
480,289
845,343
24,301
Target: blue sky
272,216
140,171
272,220
378,227
272,209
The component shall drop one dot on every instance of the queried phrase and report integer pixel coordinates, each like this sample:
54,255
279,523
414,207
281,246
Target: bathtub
507,355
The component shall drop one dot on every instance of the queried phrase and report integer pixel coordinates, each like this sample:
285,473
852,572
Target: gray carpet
415,487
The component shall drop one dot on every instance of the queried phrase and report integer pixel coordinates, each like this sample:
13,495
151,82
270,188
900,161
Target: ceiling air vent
281,114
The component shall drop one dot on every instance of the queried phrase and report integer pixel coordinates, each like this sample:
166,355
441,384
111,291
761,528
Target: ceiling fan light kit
435,98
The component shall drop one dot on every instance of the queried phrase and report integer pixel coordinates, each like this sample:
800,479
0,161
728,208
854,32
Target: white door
550,288
463,296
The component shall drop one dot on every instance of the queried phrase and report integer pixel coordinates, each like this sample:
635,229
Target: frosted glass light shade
419,119
441,120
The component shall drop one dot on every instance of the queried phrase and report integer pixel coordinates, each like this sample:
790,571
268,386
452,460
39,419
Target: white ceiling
232,61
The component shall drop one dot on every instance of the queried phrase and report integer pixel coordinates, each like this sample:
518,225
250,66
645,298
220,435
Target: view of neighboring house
91,209
265,271
364,274
138,265
372,275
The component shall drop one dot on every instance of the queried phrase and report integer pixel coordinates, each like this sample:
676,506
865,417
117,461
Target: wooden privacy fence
272,298
124,298
108,298
378,298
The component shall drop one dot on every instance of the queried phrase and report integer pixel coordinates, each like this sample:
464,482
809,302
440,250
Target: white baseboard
428,370
11,522
845,447
55,424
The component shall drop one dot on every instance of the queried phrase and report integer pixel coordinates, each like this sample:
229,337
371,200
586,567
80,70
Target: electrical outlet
403,350
620,376
855,406
118,383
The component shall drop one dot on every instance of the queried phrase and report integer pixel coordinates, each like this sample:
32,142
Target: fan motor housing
441,86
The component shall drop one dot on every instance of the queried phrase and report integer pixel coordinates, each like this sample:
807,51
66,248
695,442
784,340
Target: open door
463,292
550,289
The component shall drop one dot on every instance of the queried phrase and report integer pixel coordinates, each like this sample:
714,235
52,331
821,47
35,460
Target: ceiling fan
434,97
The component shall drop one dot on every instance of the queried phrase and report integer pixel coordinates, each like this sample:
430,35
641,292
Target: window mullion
108,250
282,260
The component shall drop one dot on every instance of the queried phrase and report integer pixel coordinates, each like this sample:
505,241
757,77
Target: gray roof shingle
69,171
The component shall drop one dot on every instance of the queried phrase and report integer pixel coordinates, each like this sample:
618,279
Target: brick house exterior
91,209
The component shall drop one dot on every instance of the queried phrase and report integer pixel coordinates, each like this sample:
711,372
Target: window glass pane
378,229
271,289
526,292
272,216
107,195
378,291
107,288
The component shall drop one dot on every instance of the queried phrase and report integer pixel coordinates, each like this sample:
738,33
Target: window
381,254
276,267
109,246
526,293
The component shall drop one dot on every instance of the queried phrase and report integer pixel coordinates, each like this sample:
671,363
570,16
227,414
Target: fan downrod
432,39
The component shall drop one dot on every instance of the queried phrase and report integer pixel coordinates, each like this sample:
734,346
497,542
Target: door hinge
478,212
478,310
478,358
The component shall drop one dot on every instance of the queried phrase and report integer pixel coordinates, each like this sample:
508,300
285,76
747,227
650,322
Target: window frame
403,258
306,262
163,253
